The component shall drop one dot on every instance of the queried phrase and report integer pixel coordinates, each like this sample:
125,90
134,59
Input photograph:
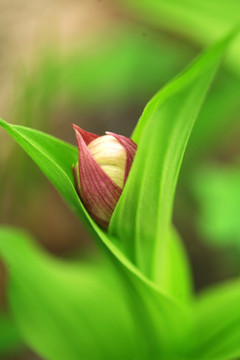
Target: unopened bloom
103,166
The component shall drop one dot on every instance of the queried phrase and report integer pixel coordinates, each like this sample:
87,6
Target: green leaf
216,330
65,310
142,218
55,158
177,269
71,311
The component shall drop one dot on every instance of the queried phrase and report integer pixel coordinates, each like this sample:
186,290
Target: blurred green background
96,63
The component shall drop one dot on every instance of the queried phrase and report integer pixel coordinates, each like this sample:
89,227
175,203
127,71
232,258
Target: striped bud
103,166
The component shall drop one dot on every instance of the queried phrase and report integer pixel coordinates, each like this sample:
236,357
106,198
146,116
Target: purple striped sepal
103,166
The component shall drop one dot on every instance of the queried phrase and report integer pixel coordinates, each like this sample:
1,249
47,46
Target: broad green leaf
217,191
142,218
216,329
71,311
65,310
55,158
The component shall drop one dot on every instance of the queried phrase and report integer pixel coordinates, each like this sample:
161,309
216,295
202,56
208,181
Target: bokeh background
96,63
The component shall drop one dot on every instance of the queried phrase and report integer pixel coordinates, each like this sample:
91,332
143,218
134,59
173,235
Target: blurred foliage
9,337
217,190
130,65
200,21
218,118
60,307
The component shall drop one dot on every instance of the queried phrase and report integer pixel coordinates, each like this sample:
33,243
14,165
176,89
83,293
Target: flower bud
103,166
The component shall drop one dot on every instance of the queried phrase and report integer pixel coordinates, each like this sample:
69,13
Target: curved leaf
142,218
55,158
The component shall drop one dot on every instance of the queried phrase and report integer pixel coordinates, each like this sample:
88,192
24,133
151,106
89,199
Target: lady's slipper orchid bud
103,166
